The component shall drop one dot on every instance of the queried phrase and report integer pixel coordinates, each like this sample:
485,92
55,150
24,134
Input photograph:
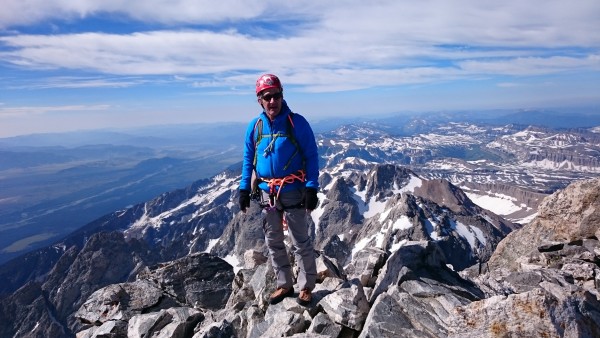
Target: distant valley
51,185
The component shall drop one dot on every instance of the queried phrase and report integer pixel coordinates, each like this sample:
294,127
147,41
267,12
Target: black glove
310,199
244,199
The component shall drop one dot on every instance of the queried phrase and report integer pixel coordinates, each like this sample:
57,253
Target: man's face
270,99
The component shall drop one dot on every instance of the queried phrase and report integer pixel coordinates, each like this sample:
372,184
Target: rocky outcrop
200,279
552,290
568,215
548,272
164,302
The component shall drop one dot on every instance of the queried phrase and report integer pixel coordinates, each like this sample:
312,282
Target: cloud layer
329,46
70,64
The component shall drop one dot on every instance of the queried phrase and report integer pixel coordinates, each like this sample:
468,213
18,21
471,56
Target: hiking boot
280,294
305,297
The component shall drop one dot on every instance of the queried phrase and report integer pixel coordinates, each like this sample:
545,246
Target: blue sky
88,64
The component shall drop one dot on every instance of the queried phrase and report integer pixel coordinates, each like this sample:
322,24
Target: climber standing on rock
281,152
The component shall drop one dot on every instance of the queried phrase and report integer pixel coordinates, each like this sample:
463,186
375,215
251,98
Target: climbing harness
275,186
273,183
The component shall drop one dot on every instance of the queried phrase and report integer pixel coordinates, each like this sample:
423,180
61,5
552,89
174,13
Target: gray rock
337,249
398,314
170,323
200,280
401,264
282,324
242,291
263,284
328,267
340,217
530,314
366,264
323,325
254,258
222,329
347,306
119,302
111,328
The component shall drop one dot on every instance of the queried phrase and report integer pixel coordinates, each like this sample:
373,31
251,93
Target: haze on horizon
87,64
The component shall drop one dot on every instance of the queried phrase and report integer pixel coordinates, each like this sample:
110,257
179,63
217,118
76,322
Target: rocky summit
397,255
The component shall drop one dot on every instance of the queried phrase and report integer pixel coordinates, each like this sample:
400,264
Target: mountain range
416,219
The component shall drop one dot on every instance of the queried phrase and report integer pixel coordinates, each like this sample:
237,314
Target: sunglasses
275,96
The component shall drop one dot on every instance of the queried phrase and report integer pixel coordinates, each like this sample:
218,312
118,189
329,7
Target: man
280,149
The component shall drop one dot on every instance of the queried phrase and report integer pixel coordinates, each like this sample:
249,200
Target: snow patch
398,245
362,244
415,182
479,234
374,207
234,262
211,244
402,223
498,203
318,212
527,219
464,232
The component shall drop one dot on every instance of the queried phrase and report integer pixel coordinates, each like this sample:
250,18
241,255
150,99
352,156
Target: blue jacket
275,150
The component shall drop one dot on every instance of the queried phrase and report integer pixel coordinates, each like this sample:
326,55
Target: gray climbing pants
298,232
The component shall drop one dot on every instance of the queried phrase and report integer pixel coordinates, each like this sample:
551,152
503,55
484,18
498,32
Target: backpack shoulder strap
257,135
290,129
291,134
257,132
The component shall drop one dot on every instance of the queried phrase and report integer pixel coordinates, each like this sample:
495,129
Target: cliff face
528,198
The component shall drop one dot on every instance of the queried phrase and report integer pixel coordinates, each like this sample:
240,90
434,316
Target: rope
273,183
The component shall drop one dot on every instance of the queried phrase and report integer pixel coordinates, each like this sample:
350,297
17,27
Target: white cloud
23,12
553,23
77,82
34,110
302,60
532,65
509,84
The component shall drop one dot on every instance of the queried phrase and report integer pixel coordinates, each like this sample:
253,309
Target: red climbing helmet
267,81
